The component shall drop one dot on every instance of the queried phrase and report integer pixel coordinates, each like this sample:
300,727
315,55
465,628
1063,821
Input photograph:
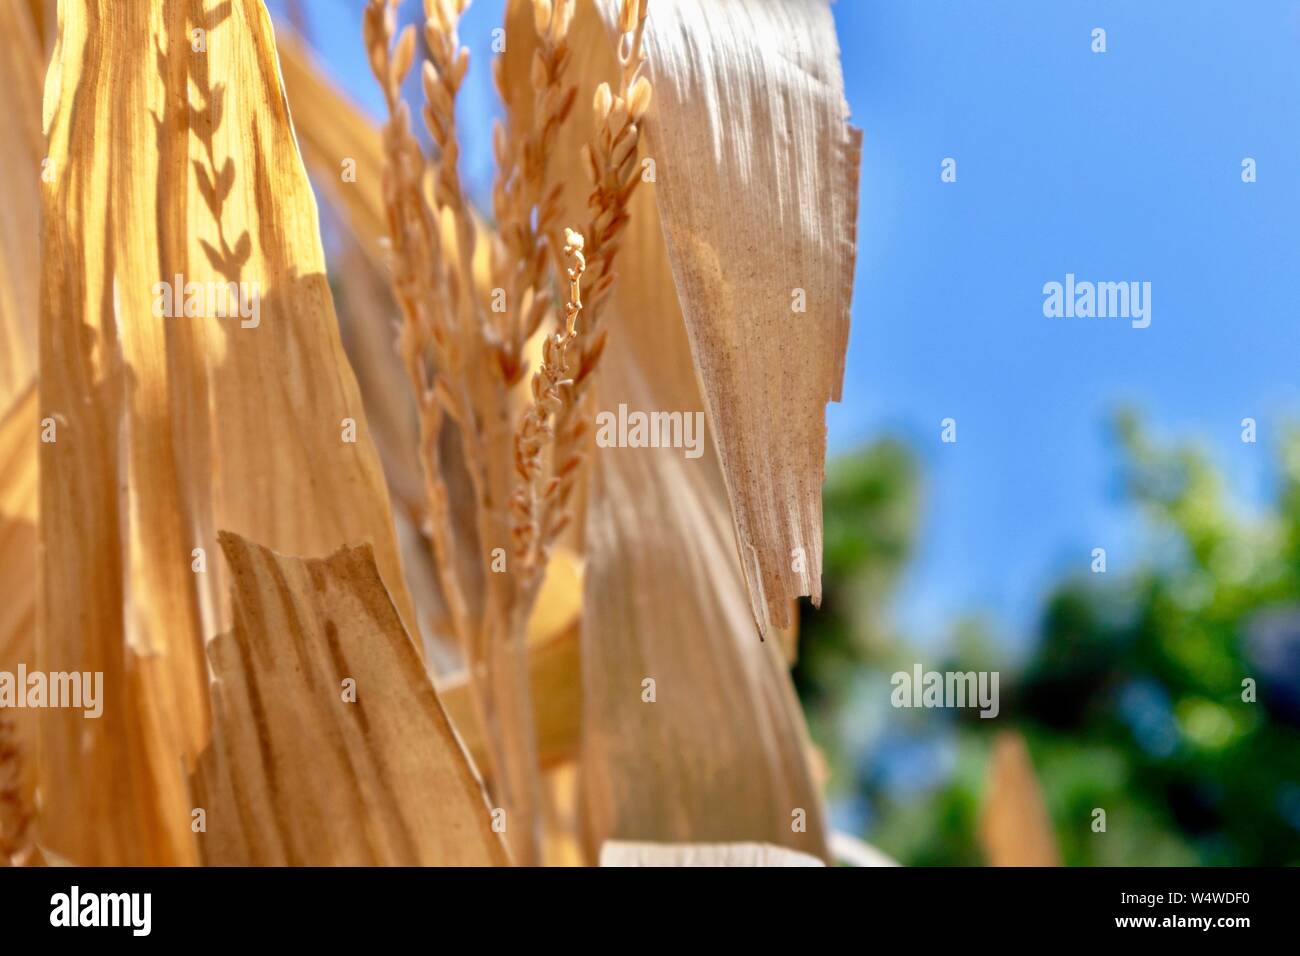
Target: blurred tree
1168,697
1186,670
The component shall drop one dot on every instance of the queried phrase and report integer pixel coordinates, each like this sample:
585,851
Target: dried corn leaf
18,516
341,146
344,154
553,671
367,323
21,149
788,636
16,793
757,181
617,853
719,755
44,18
298,773
174,163
367,319
554,675
1015,829
561,841
554,678
337,137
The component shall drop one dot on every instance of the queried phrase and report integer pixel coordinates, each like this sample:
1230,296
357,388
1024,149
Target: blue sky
1115,166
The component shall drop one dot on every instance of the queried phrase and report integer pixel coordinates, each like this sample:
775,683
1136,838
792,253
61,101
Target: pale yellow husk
757,191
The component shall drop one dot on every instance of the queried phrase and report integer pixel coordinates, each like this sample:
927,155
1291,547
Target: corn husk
18,518
297,773
757,184
22,148
337,138
719,756
172,161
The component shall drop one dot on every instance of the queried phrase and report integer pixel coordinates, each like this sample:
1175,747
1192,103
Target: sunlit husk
757,191
18,517
169,160
21,150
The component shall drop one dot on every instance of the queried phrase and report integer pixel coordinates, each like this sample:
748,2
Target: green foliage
1131,699
871,504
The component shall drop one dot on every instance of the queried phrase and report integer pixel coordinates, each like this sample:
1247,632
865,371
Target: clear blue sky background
1117,166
